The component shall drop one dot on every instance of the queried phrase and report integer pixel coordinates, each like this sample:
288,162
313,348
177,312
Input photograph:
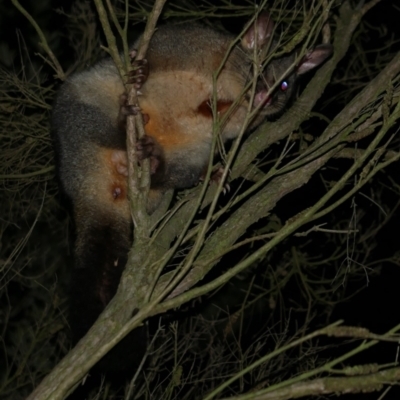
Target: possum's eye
284,86
206,109
223,106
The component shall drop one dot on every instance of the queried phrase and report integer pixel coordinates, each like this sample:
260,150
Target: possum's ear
314,57
259,33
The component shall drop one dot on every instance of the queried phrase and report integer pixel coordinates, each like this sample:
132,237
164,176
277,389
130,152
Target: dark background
372,303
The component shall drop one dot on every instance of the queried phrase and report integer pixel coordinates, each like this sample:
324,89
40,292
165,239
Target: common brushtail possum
90,141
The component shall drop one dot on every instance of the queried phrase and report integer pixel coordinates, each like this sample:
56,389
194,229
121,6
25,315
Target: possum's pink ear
259,33
314,57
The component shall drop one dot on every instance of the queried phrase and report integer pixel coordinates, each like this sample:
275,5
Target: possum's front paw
148,147
140,71
126,109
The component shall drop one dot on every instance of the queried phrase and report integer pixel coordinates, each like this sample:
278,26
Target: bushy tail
101,250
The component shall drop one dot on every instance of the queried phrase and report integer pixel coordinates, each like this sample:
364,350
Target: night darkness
304,283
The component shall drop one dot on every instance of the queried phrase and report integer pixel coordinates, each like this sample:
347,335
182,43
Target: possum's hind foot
148,147
216,176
